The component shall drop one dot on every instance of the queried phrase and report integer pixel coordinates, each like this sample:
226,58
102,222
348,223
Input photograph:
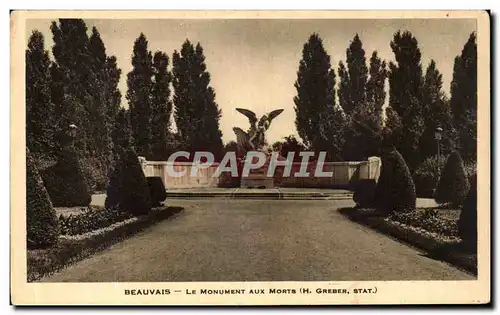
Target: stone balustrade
344,174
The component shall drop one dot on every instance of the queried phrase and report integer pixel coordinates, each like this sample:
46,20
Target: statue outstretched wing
267,118
249,114
274,114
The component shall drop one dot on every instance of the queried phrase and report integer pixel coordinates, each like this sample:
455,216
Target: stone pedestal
257,178
254,181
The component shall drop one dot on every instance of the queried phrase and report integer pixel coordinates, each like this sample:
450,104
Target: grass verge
70,249
440,247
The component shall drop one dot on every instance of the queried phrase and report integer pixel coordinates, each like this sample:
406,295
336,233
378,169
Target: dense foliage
84,92
426,176
287,145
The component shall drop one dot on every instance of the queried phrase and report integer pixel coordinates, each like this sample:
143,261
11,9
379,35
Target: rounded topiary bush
453,184
128,188
395,189
467,223
426,176
41,221
66,182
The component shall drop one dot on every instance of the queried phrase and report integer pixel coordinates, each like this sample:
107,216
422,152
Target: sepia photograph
259,158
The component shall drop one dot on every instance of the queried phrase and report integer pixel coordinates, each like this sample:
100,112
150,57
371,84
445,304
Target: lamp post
72,132
438,135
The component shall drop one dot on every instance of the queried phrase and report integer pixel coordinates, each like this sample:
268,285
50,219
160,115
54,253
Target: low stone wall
344,174
203,176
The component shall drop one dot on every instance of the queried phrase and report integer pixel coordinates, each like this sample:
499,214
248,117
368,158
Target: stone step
275,194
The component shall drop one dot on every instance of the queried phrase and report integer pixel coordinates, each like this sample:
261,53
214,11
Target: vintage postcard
250,157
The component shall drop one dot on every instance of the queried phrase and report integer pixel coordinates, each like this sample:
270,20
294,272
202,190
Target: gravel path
256,240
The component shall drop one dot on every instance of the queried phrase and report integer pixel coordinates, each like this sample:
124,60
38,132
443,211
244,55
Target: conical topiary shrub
128,188
453,184
467,223
395,189
41,222
66,182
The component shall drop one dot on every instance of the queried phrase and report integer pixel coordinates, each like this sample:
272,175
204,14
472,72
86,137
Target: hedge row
92,218
428,220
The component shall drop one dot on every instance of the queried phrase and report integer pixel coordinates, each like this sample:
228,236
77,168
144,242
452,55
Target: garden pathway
257,240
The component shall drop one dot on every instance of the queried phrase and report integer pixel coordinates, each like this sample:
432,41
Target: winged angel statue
254,139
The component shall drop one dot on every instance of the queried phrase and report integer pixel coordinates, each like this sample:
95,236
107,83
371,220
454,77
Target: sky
253,62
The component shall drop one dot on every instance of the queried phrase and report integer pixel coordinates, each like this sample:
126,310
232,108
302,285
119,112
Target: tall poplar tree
464,99
122,134
362,120
113,75
436,113
100,125
161,107
197,114
74,75
405,80
375,87
319,121
139,83
40,118
353,79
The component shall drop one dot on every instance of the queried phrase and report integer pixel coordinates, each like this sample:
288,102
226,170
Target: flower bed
427,220
72,248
